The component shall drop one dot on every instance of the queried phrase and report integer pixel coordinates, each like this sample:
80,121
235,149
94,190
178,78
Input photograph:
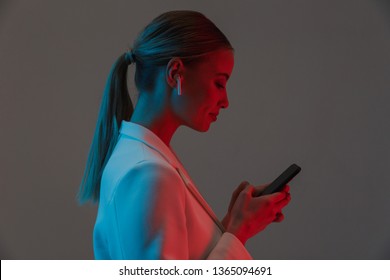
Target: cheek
208,93
202,98
199,94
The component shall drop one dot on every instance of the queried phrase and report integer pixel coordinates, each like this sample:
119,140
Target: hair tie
129,57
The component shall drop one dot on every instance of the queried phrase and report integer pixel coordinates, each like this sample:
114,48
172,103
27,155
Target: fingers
284,193
278,200
286,189
282,203
236,192
241,187
260,189
278,196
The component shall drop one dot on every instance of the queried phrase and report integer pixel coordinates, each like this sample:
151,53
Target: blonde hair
185,34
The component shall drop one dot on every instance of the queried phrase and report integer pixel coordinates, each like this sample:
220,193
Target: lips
214,116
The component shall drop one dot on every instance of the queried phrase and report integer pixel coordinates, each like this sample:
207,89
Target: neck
151,115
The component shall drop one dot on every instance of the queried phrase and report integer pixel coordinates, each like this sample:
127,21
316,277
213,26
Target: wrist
239,236
225,221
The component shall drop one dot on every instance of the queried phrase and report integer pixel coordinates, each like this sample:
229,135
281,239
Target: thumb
259,189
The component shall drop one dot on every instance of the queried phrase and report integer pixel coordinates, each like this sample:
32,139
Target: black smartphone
282,180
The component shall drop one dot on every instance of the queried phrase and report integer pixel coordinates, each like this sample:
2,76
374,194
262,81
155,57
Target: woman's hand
247,214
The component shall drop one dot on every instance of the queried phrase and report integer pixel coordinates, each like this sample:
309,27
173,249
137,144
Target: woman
149,208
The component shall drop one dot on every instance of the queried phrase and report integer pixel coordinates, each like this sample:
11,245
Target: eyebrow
223,74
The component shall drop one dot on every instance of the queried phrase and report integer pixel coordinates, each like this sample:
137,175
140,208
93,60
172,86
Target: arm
150,213
151,221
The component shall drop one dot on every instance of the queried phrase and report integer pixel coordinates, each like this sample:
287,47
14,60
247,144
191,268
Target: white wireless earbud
178,79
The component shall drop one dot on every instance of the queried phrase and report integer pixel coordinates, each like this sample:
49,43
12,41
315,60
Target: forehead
221,61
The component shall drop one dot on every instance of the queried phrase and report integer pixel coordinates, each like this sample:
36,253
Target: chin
205,127
200,127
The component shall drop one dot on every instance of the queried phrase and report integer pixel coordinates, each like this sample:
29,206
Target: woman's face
204,89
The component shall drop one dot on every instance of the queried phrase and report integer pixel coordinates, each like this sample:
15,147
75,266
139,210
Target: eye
220,86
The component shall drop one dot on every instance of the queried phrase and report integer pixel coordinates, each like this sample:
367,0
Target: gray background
310,85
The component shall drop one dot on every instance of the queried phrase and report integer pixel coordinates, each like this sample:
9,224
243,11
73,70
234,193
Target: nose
224,102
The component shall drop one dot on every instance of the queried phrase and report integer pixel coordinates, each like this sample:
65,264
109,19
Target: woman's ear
174,71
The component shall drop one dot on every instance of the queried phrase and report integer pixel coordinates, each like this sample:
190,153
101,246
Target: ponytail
185,34
116,106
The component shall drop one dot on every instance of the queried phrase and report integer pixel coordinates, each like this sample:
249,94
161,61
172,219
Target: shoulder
132,162
150,171
147,177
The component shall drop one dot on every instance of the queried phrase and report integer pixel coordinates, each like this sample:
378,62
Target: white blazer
150,208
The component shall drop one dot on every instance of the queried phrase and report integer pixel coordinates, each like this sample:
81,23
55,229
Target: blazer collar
143,134
149,138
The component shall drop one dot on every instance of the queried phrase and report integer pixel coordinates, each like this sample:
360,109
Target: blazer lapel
191,187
